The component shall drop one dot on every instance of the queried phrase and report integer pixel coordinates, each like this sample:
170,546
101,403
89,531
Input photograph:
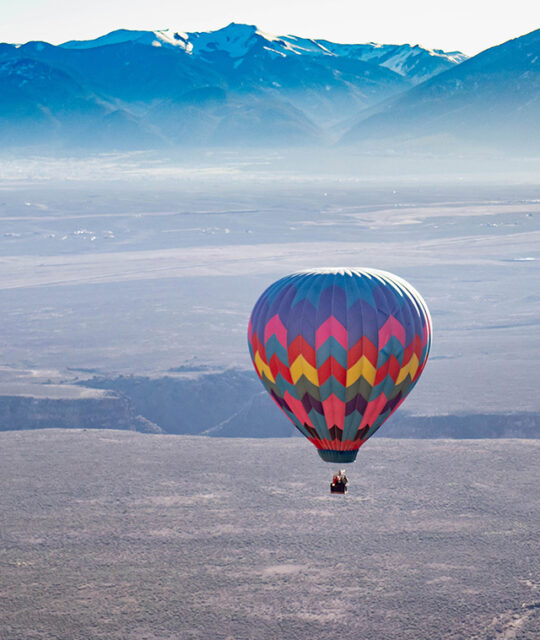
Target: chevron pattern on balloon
339,350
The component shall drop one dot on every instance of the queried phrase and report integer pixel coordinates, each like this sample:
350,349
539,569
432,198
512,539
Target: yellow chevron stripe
415,363
364,368
300,367
263,368
409,369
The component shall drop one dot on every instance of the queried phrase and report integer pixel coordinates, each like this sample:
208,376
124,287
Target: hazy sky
467,25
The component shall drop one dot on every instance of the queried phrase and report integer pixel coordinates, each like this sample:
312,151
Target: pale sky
466,25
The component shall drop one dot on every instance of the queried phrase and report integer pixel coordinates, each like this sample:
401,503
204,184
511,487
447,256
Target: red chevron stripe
297,409
364,347
372,412
276,367
389,368
334,411
408,353
415,347
418,346
331,367
258,346
336,445
300,347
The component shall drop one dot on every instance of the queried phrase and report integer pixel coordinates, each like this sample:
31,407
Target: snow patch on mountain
159,38
404,59
302,46
238,40
235,40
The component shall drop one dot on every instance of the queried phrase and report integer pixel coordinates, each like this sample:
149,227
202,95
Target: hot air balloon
339,350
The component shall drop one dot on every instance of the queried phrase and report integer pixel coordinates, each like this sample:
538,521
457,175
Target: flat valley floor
111,266
119,535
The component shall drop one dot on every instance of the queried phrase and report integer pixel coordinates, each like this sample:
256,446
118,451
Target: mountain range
490,99
239,86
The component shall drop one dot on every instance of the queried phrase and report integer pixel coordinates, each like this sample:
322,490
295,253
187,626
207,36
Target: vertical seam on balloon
407,297
385,297
356,385
343,434
292,280
332,367
423,316
278,312
320,419
281,283
419,300
258,311
387,385
368,281
265,319
379,279
361,375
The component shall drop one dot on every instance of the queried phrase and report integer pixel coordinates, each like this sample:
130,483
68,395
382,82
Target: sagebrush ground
118,535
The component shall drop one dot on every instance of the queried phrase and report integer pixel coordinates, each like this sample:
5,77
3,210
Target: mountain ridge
241,87
497,88
237,39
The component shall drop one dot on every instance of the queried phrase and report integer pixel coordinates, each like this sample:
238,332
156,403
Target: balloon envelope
339,350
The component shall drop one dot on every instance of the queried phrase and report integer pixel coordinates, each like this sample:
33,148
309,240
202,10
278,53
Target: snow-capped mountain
236,41
159,38
241,86
411,61
492,99
236,85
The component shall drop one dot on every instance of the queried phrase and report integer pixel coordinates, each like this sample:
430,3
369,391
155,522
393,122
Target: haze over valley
147,268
